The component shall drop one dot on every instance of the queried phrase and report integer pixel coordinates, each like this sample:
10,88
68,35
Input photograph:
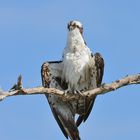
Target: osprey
80,70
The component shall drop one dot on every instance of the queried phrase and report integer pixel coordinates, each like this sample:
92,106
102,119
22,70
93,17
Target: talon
66,92
78,92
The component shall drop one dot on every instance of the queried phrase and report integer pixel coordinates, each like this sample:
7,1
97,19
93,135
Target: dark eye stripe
80,28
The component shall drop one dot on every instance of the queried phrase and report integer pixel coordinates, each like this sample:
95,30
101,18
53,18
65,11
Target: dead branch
105,88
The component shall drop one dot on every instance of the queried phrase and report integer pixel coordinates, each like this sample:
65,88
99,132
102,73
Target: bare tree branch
105,88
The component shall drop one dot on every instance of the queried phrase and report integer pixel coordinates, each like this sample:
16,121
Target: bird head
75,25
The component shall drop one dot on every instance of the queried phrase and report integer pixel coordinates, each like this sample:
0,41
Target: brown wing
48,69
99,64
63,114
46,79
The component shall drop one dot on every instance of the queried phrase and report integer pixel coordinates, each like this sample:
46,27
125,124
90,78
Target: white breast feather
76,62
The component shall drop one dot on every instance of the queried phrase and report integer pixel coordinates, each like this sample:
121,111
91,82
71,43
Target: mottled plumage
78,71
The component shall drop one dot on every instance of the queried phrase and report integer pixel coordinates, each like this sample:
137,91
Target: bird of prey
78,71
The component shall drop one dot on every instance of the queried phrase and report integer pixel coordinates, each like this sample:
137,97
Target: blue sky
32,32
